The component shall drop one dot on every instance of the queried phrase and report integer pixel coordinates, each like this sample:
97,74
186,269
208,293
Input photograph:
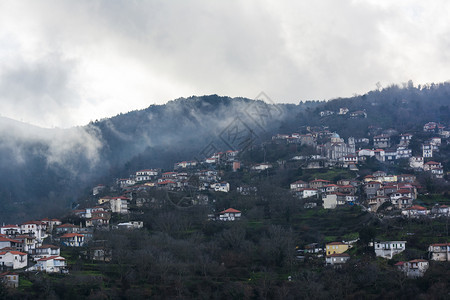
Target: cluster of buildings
343,192
388,146
398,190
201,175
23,245
336,254
344,111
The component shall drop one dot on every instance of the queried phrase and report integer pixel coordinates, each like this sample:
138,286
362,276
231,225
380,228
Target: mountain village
36,246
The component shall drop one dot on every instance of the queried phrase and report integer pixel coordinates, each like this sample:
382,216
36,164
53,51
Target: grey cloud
39,90
62,147
292,50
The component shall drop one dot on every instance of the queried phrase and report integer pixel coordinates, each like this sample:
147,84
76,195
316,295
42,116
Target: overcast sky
65,63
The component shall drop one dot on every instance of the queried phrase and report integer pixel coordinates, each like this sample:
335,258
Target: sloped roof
230,210
55,257
70,235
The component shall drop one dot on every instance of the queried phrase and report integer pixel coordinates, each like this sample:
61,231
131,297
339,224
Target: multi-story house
439,252
381,141
414,268
388,249
336,248
427,150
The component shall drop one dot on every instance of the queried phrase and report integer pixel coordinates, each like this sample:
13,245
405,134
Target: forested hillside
45,170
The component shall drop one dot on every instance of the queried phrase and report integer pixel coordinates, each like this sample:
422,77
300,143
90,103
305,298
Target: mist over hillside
43,171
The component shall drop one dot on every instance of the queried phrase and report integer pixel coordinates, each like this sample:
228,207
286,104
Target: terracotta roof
4,239
8,273
32,222
70,235
55,257
336,243
440,244
418,260
66,226
13,252
320,180
230,210
47,246
338,255
404,191
298,181
373,182
416,207
166,182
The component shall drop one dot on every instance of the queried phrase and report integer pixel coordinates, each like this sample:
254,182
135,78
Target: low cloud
70,62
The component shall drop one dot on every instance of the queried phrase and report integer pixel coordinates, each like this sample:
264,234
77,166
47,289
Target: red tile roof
55,257
336,243
47,246
440,244
230,210
71,235
66,226
4,239
13,252
338,255
10,226
418,260
416,207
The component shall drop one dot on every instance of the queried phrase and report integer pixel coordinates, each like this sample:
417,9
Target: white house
337,259
388,249
36,228
119,205
9,279
51,264
307,193
432,165
261,167
414,268
415,211
427,150
439,252
440,210
416,162
299,184
131,225
330,201
10,229
72,239
221,187
405,139
8,243
51,223
148,172
13,259
229,214
27,243
46,251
